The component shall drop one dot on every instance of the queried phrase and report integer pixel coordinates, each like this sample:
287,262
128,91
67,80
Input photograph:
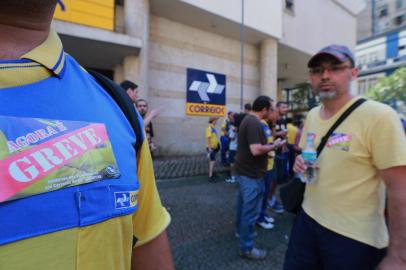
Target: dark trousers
225,142
313,247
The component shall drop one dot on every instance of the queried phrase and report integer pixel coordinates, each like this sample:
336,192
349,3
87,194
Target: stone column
137,25
118,76
269,68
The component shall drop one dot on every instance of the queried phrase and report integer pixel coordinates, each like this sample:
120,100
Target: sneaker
269,219
230,180
211,179
253,254
276,206
265,225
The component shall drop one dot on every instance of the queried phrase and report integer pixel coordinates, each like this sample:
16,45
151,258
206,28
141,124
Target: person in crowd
251,166
362,166
265,220
212,145
142,107
281,165
232,134
225,140
131,88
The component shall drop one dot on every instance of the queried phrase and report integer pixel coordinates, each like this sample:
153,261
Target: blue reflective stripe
76,97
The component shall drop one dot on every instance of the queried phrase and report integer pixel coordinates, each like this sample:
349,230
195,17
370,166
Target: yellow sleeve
387,141
208,132
292,132
151,218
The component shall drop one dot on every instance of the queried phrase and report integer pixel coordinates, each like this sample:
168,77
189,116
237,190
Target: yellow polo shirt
213,137
106,245
348,196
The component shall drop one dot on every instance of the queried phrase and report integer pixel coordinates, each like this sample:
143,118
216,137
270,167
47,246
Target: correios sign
205,93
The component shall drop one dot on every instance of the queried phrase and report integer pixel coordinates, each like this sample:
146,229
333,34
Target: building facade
155,42
381,46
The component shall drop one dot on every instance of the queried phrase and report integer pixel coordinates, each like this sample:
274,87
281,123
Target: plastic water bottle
309,155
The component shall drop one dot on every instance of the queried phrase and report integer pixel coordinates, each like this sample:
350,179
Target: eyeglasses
336,69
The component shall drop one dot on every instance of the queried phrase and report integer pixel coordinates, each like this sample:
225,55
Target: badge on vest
41,155
125,199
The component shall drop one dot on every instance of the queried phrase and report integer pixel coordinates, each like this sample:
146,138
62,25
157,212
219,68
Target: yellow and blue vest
73,95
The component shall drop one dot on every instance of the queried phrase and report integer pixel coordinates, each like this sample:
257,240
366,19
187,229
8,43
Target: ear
354,73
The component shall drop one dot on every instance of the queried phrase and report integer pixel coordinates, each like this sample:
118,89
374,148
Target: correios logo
125,199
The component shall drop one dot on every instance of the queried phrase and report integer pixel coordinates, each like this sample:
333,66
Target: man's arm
148,118
395,180
154,255
261,149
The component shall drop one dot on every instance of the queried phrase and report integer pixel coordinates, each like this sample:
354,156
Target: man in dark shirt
251,165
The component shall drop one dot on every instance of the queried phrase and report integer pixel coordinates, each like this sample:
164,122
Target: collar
49,54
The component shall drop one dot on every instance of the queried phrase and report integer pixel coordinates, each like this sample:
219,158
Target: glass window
290,5
399,4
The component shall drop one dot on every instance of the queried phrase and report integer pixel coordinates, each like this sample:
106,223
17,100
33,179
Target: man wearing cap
74,192
342,223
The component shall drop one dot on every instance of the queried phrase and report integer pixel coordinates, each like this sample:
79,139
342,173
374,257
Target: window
290,5
399,20
399,4
361,86
383,12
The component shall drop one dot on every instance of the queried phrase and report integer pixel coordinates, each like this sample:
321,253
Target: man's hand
300,166
392,263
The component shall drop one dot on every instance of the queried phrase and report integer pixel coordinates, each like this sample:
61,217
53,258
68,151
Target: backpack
125,104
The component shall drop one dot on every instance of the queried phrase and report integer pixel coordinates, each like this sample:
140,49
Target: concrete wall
173,48
317,23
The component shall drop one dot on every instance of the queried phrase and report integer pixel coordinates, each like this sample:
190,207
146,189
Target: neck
257,114
332,106
19,36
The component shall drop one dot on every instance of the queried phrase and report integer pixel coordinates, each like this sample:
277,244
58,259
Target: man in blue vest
74,193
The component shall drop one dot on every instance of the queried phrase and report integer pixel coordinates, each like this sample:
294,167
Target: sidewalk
176,167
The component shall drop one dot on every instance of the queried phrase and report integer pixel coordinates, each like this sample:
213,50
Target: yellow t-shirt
292,132
348,196
106,245
211,133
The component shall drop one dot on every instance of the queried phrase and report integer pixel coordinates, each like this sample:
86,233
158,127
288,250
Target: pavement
203,217
168,168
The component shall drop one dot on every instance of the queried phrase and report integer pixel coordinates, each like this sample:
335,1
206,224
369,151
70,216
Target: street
202,228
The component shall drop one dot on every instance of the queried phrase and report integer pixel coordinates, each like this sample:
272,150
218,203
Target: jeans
249,201
224,141
314,247
281,168
267,185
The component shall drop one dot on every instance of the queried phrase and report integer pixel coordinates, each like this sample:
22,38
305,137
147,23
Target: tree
391,90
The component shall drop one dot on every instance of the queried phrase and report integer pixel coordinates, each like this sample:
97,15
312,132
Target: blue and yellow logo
125,199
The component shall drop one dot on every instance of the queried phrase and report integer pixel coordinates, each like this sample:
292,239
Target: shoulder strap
124,102
337,123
